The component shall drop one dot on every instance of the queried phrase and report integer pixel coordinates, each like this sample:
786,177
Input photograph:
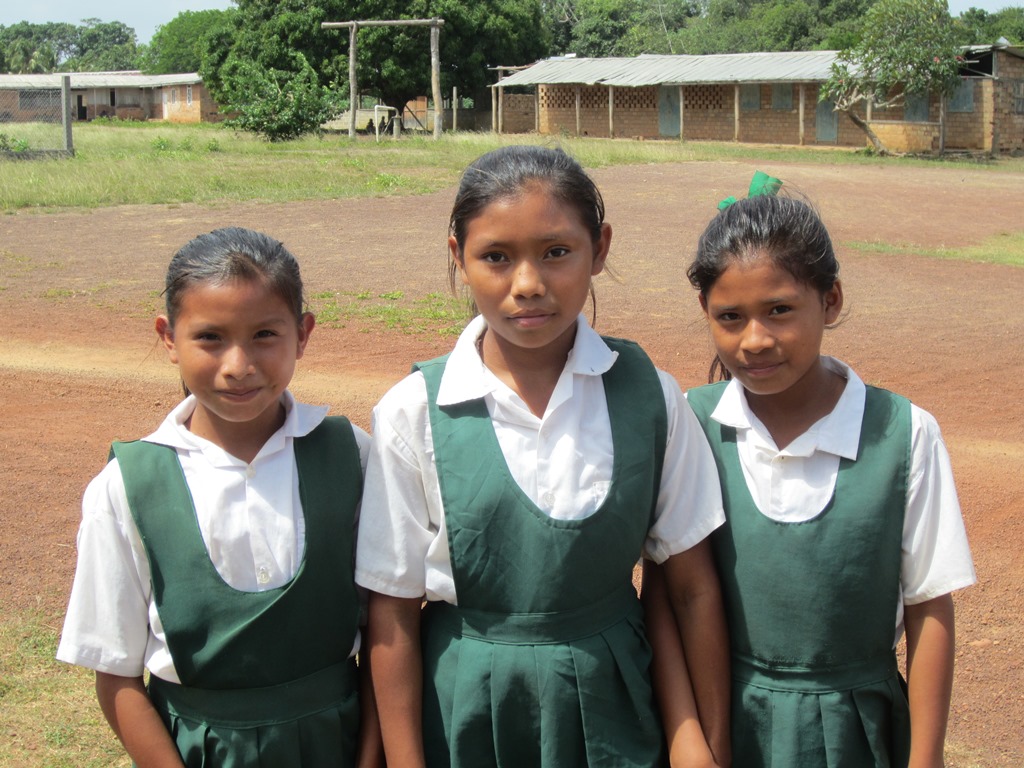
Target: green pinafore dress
544,662
266,681
812,605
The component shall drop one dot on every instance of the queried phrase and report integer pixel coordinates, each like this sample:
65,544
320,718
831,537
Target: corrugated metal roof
80,80
785,67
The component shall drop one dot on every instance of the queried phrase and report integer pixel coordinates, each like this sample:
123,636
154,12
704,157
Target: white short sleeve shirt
795,484
562,461
250,516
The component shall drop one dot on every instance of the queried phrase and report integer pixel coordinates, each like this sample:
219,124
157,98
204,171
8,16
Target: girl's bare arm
670,676
396,666
135,721
930,638
696,599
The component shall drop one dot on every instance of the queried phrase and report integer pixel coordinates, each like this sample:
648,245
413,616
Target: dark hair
506,172
787,231
233,253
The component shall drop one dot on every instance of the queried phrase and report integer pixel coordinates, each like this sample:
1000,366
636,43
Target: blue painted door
826,122
668,110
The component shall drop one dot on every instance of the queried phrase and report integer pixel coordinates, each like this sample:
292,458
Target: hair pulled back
507,172
233,253
786,231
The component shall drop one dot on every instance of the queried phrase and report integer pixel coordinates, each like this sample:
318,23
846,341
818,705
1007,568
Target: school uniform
232,583
826,540
522,532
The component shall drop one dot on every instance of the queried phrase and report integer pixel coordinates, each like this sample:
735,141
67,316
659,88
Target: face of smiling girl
235,345
528,261
767,327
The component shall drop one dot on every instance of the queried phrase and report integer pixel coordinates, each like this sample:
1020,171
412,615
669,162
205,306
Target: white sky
144,16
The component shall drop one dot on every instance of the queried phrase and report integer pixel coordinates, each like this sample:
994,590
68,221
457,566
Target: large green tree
179,45
979,27
103,46
906,47
267,38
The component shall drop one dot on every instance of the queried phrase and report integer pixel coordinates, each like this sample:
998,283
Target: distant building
759,97
126,95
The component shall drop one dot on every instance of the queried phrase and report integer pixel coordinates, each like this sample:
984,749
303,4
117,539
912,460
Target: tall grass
145,163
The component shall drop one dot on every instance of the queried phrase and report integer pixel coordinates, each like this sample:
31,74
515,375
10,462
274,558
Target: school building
759,98
126,95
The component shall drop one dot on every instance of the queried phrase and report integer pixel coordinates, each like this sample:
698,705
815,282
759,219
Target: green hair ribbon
761,184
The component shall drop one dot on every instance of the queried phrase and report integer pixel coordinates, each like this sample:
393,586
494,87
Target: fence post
65,112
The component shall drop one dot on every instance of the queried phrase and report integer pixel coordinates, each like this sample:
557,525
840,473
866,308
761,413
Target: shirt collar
300,419
467,378
837,433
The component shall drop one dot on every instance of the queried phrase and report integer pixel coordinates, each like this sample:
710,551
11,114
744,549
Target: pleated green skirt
538,690
818,720
247,731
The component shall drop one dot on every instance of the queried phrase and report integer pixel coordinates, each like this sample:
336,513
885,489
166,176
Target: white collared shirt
250,516
795,484
562,461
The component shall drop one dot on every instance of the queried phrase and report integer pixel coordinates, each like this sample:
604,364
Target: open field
79,366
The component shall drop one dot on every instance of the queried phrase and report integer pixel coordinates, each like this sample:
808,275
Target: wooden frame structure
435,25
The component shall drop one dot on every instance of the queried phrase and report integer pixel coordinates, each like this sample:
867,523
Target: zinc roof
649,69
80,80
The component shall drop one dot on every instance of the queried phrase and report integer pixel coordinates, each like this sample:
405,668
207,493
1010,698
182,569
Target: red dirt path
79,367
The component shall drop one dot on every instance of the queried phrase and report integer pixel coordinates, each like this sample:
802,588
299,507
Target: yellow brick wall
1008,93
519,113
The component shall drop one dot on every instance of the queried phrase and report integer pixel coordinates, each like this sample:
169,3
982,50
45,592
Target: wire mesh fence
35,121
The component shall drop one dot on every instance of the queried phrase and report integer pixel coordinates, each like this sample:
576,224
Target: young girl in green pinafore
843,526
512,485
218,551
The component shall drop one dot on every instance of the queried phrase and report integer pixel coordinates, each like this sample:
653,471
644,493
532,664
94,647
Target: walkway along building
759,97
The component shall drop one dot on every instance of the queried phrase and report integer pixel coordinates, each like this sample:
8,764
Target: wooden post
536,109
501,109
494,110
435,77
578,125
942,124
736,112
435,25
65,110
353,88
803,97
611,111
455,108
682,110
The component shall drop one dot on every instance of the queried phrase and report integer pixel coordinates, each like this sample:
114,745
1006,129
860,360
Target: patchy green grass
48,710
1002,248
434,313
120,163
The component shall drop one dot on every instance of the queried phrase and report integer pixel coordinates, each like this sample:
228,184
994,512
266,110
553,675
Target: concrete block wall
1008,104
519,113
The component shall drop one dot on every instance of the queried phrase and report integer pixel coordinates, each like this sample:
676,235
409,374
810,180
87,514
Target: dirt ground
79,366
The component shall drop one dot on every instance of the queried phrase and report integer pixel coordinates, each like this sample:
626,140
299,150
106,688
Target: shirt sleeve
689,504
936,556
106,627
398,523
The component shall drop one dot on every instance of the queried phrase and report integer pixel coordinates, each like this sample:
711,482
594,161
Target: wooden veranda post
435,25
611,111
803,99
736,112
682,112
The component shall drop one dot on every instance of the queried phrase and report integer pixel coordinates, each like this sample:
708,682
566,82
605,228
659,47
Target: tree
103,47
178,45
979,27
393,62
278,104
906,47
